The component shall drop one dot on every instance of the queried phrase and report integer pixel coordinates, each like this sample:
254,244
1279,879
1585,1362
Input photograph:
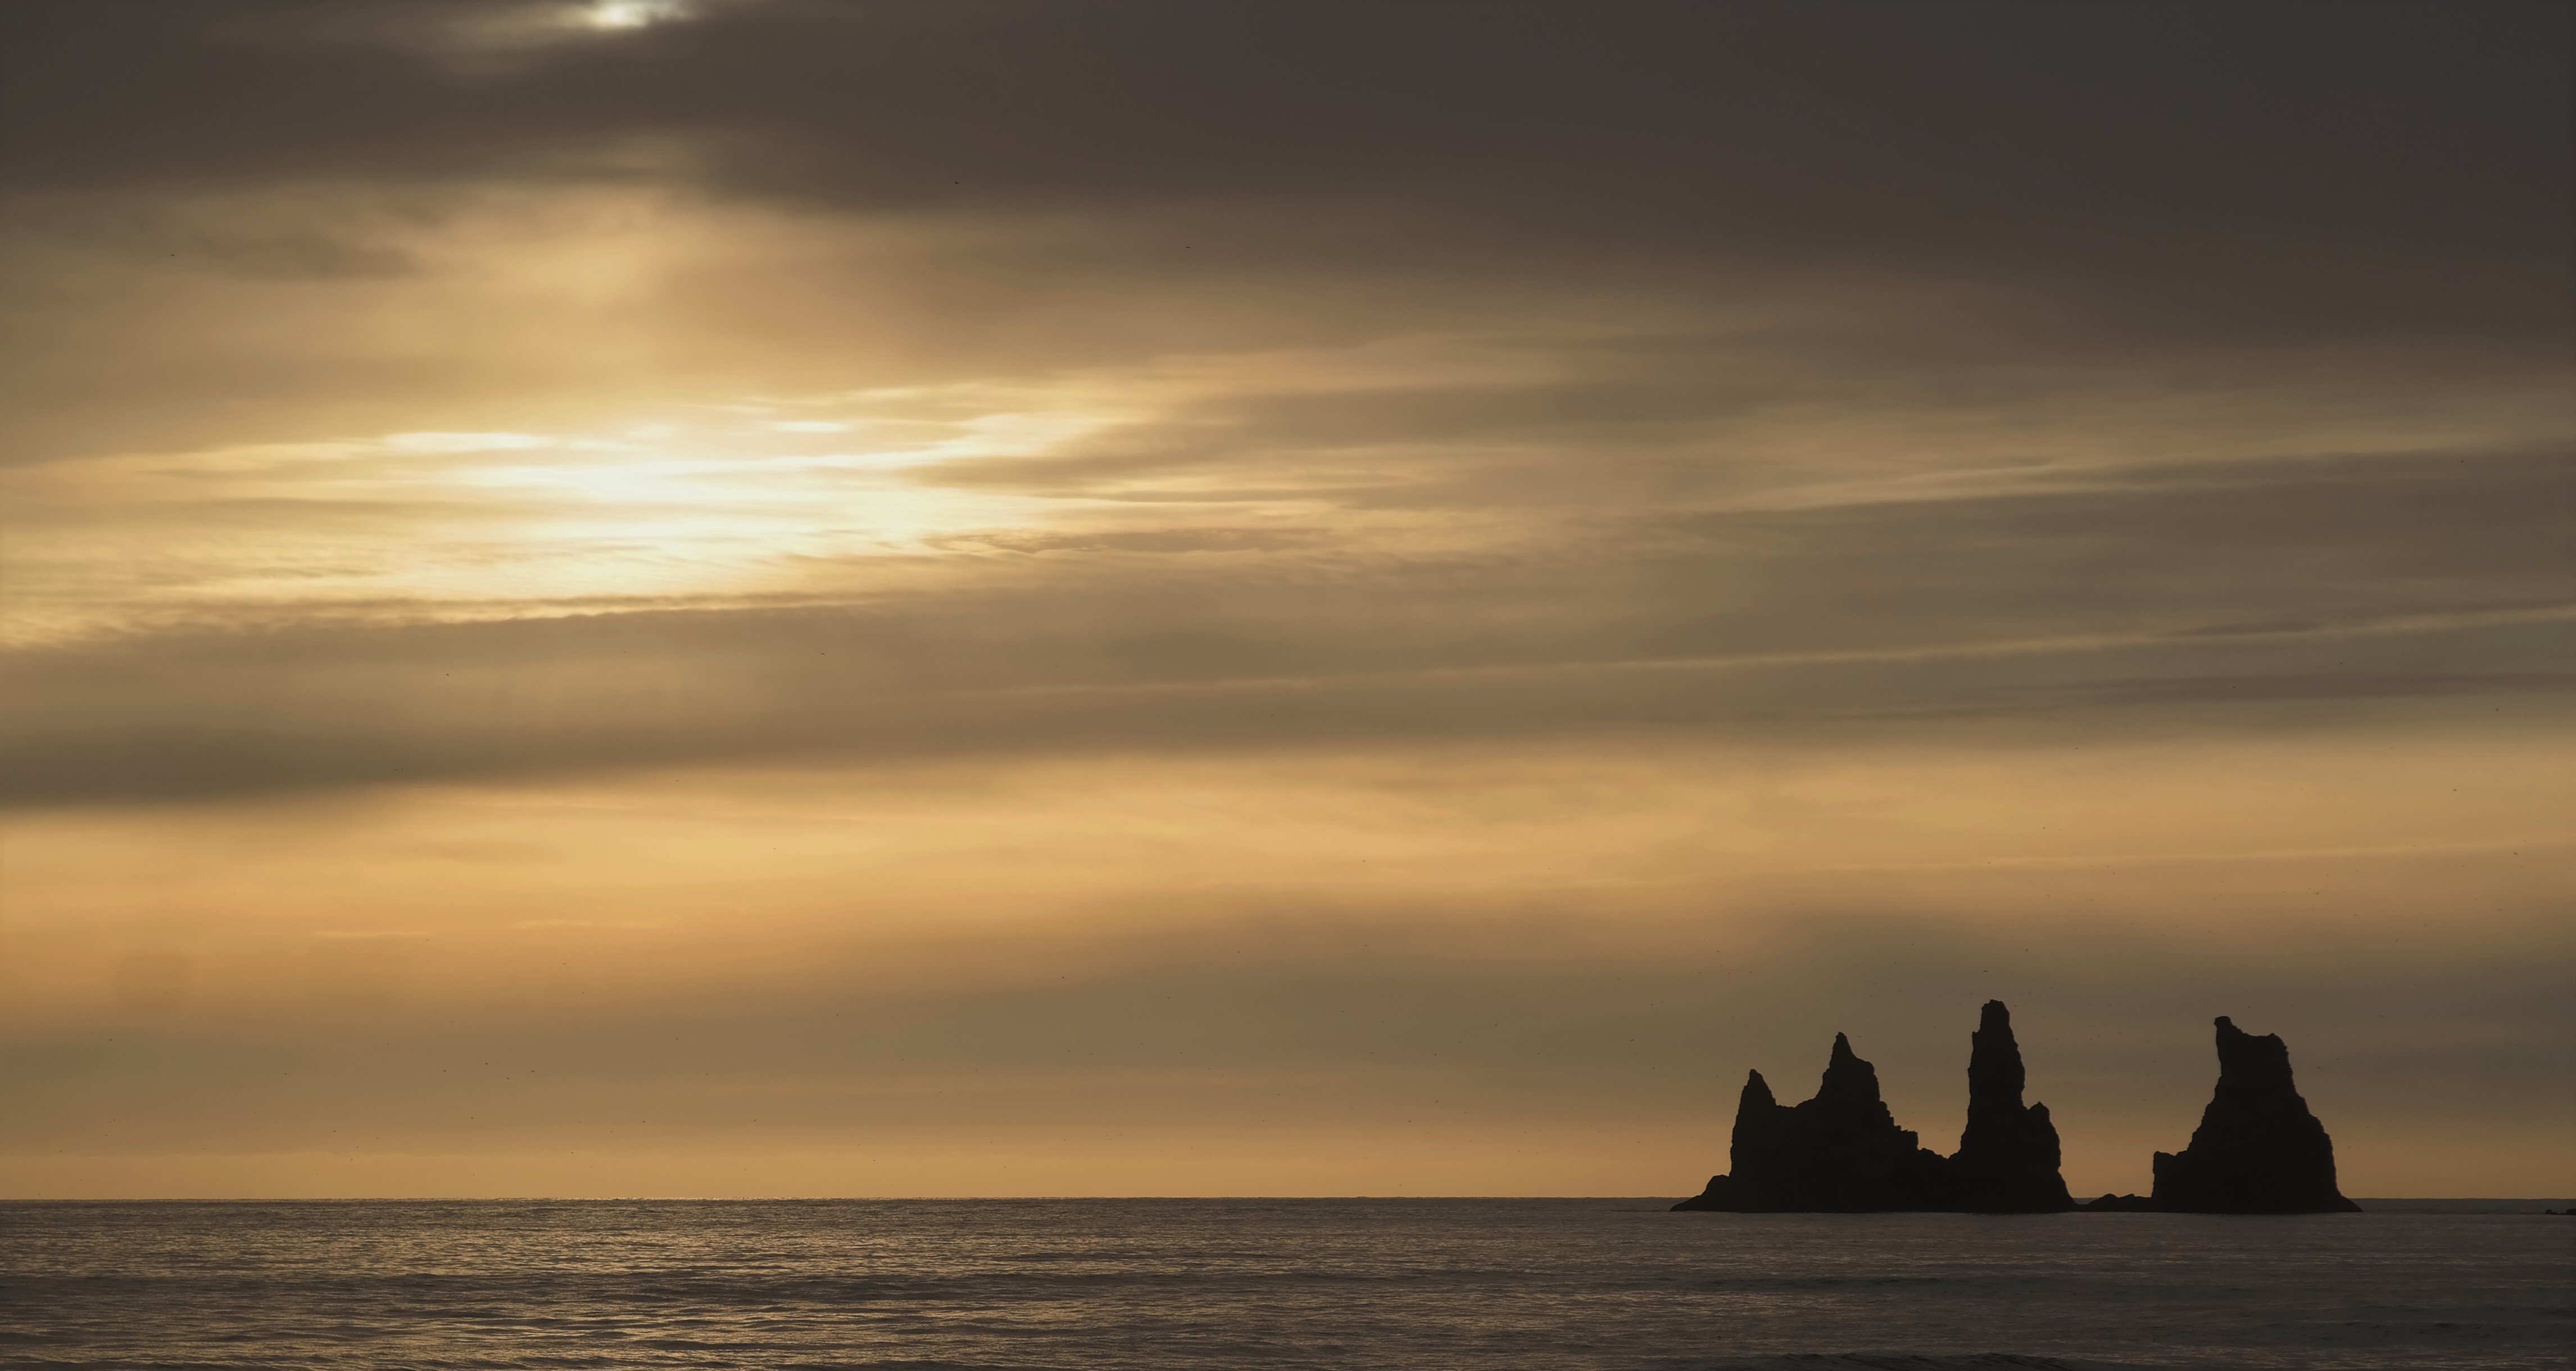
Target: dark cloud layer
2298,167
2162,187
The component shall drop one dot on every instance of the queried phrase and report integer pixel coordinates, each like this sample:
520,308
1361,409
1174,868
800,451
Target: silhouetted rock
1840,1152
2114,1204
2258,1150
2008,1157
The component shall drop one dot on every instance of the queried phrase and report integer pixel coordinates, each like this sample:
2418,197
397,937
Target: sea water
1264,1283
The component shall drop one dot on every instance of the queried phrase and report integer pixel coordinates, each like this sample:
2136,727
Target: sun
630,14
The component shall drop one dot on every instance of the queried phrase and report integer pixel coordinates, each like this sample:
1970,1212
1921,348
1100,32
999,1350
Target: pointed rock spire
1848,1079
2008,1158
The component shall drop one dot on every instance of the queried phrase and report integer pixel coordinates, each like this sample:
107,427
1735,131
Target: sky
818,597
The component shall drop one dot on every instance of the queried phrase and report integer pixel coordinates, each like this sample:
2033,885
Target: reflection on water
1228,1283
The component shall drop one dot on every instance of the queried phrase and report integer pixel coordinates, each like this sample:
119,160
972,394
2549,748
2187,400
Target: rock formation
2258,1150
2008,1157
1840,1152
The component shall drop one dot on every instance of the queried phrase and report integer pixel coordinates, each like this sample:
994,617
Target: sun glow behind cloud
838,495
771,497
632,14
480,524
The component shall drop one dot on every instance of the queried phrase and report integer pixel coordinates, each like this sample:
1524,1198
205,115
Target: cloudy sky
710,597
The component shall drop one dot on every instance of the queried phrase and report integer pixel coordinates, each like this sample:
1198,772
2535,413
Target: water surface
1263,1283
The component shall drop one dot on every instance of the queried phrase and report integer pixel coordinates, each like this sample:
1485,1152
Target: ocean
1266,1283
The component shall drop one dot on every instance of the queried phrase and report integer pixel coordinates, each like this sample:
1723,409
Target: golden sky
746,597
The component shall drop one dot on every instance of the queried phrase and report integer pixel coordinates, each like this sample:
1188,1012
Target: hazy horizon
761,597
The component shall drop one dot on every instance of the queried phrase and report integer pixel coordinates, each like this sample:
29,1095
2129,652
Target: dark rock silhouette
1840,1152
2258,1150
2008,1156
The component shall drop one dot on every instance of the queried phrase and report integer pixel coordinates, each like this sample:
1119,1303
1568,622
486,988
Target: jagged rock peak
1847,1077
2258,1150
1838,1152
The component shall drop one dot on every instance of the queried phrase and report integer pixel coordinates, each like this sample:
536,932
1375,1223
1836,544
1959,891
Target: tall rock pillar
2007,1161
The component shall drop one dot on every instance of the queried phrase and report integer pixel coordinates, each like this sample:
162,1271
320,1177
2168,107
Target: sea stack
2258,1150
1840,1152
2007,1162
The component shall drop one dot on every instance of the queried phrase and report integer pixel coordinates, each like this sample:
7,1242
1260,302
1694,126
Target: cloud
2388,579
2155,154
311,220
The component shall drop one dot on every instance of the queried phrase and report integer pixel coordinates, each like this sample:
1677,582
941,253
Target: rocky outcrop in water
2008,1158
1840,1152
2258,1150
